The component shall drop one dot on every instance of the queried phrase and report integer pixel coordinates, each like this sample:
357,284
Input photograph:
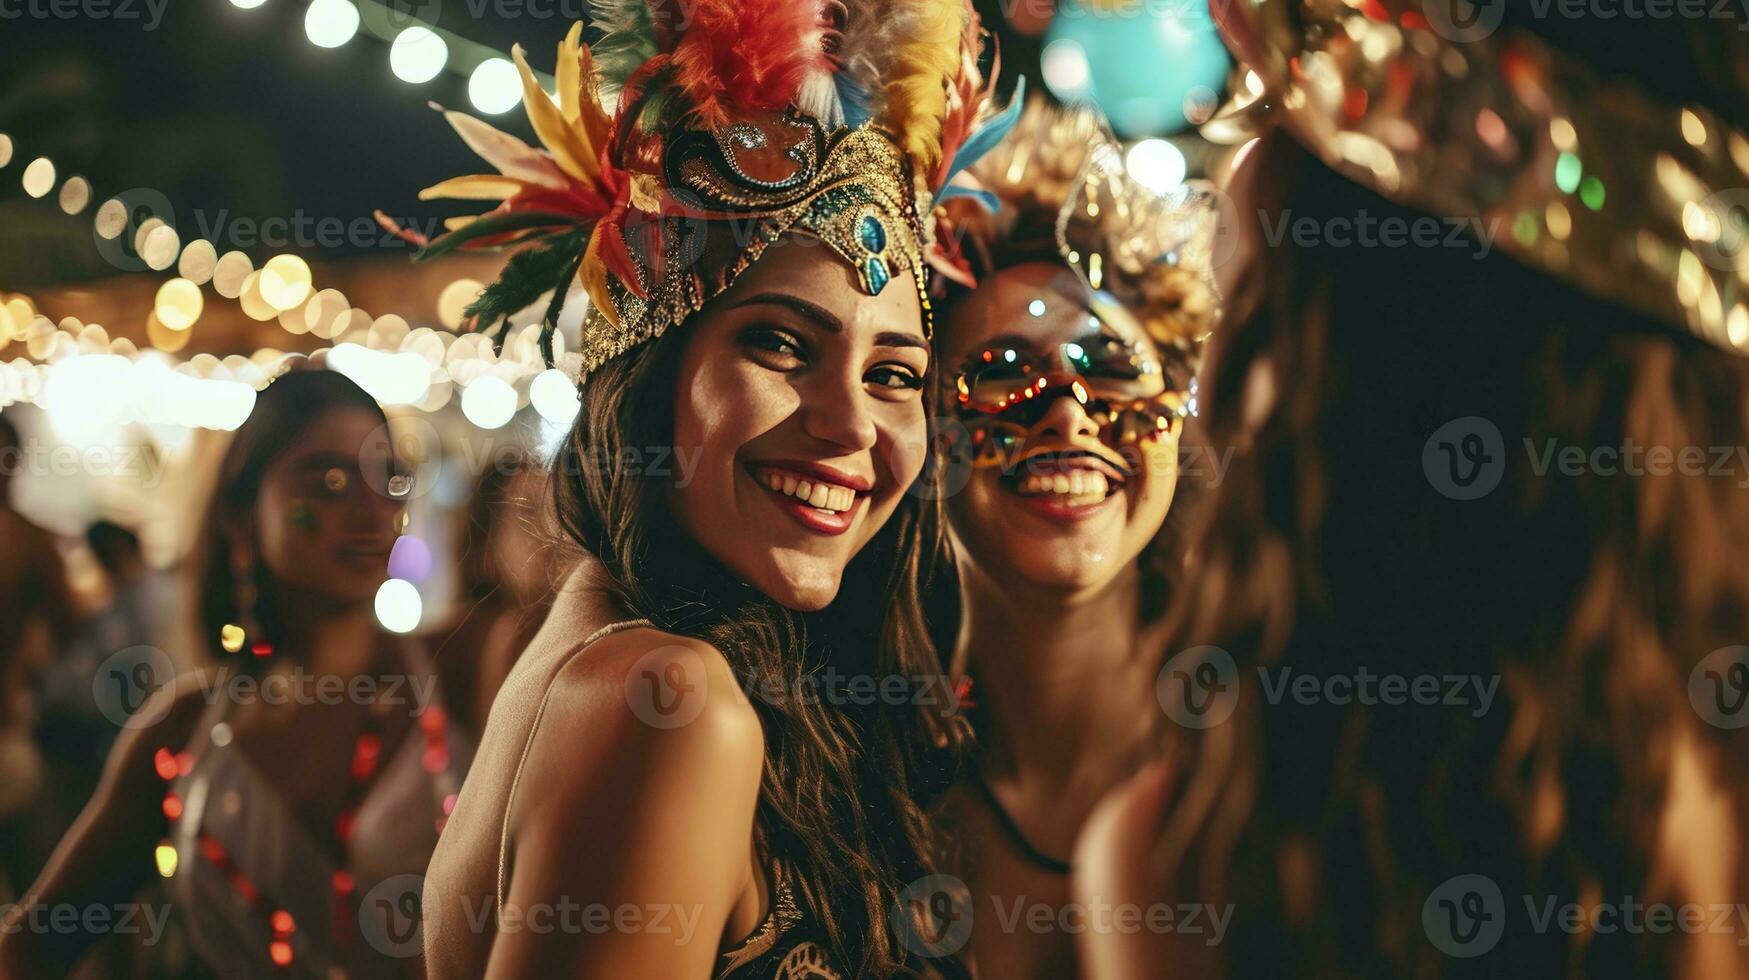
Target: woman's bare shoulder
640,711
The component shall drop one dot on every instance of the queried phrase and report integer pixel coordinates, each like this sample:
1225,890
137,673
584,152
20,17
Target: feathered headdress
1057,190
734,121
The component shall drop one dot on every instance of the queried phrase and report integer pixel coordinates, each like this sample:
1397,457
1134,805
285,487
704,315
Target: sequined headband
726,203
1061,177
1598,183
734,122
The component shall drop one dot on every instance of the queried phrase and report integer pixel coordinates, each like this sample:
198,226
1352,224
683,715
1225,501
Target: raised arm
106,857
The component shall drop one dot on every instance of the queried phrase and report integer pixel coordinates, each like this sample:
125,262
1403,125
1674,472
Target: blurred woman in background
312,761
1393,508
509,571
1072,400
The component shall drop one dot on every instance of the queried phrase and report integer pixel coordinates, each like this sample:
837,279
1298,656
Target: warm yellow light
161,247
165,339
112,219
179,304
284,281
197,261
165,855
231,637
75,195
39,177
231,273
256,306
454,300
417,55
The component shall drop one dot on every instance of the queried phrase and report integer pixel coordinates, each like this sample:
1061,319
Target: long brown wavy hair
843,789
1330,549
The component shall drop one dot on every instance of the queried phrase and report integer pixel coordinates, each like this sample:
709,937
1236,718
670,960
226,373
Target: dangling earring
247,630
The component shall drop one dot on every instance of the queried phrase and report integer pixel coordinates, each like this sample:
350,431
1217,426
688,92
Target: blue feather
984,197
857,103
989,134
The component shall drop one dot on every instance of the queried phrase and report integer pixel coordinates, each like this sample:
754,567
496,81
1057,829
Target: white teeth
824,496
1078,484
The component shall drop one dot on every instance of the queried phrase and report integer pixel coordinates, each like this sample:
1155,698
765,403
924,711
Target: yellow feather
916,89
570,92
475,187
592,273
562,141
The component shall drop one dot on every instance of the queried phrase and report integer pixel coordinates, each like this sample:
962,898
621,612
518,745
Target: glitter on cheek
303,516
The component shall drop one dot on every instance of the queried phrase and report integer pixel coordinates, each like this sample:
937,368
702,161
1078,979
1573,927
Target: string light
495,86
330,23
417,55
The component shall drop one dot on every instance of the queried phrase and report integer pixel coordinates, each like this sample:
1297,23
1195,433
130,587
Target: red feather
748,55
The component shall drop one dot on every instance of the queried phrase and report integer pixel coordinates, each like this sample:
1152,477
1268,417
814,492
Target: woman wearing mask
1549,778
1068,368
670,751
272,806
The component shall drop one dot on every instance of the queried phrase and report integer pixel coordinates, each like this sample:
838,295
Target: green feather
528,275
628,39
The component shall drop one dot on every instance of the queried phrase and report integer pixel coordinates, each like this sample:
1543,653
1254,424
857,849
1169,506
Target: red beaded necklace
366,757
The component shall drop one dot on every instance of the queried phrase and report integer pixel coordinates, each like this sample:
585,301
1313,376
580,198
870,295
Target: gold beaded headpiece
734,123
1598,183
1061,189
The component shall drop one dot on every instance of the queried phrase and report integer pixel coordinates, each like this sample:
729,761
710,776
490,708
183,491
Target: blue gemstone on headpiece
873,233
876,271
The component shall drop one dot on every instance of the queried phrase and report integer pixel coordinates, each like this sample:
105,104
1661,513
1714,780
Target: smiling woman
752,244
